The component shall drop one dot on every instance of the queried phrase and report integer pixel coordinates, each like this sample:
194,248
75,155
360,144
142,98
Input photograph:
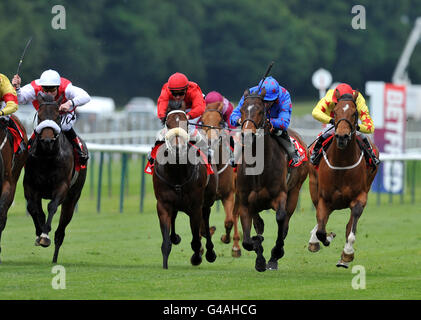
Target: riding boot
369,150
316,155
286,143
77,145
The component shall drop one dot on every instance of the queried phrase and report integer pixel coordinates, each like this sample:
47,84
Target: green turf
113,255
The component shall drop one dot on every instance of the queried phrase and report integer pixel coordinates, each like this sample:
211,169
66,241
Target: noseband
353,126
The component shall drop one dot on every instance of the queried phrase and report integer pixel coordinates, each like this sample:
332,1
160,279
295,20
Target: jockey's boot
369,150
316,155
284,140
77,145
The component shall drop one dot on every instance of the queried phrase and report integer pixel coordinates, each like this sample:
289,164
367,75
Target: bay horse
341,180
11,165
51,173
213,120
181,184
275,187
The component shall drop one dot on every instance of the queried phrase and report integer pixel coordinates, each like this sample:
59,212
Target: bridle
263,123
353,126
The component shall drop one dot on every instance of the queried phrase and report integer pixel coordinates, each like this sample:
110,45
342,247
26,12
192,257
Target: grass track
115,255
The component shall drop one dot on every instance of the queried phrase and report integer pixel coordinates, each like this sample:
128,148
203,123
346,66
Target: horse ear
355,95
246,93
263,93
220,106
40,97
60,99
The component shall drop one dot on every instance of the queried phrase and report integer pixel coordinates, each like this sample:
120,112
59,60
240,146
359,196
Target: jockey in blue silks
278,101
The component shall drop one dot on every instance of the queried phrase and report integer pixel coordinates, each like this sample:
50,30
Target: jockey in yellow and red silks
323,112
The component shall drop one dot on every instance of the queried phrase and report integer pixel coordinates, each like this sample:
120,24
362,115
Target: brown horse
11,165
213,120
342,179
274,187
51,173
182,183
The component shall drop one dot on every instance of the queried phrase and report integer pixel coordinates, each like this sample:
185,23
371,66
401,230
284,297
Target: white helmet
49,78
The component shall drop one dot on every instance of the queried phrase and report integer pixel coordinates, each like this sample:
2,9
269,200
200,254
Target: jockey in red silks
227,109
180,89
52,84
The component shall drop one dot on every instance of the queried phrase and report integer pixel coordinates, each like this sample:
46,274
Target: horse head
49,122
253,112
346,118
213,117
176,122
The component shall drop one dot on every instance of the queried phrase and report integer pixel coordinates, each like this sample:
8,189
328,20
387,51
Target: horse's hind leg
195,224
236,250
351,229
228,204
175,238
210,253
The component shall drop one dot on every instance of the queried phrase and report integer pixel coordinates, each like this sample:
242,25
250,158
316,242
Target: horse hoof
272,265
44,242
196,259
347,257
314,247
236,252
37,239
212,230
260,264
176,239
331,236
225,239
210,256
342,264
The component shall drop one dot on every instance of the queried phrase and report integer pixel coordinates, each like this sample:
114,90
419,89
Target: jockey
278,101
323,112
180,89
52,84
9,105
227,108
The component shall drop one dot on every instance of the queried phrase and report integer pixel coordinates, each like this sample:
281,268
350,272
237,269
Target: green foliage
129,48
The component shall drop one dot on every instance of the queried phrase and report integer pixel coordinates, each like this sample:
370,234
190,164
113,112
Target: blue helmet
272,88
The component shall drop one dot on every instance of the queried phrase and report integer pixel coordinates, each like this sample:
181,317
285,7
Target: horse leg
347,255
195,225
236,250
67,210
282,221
175,238
322,216
57,199
210,253
6,199
34,207
228,204
165,224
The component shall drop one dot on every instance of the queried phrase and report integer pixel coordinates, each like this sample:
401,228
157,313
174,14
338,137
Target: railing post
142,183
98,200
123,178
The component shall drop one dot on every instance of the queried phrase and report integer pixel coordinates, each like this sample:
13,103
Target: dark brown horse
270,186
342,179
51,173
182,183
11,165
213,120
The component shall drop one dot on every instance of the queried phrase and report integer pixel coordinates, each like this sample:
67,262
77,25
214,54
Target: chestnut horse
342,179
213,120
51,173
11,165
182,183
274,187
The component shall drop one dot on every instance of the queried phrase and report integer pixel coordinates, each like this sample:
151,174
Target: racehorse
51,173
342,180
213,122
11,165
181,184
275,187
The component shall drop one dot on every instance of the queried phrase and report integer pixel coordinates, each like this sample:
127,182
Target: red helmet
178,81
343,88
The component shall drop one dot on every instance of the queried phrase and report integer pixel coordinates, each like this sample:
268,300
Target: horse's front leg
322,215
57,199
210,253
165,218
5,202
357,208
195,215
